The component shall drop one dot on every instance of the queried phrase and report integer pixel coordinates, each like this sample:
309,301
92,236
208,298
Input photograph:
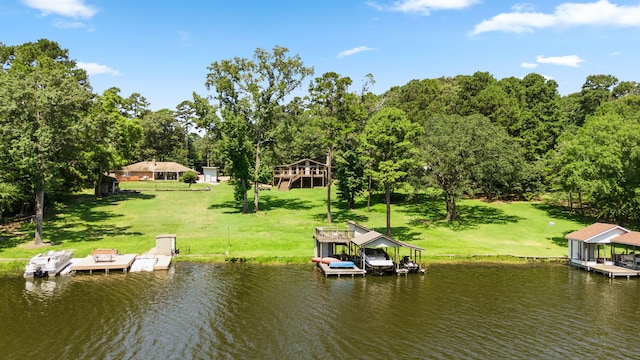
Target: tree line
463,136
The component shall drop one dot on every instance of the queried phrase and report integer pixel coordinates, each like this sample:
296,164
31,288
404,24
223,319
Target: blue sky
161,49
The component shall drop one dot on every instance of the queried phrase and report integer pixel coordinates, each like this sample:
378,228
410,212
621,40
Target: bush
189,177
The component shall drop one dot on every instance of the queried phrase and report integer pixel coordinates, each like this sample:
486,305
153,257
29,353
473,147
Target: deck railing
332,232
310,170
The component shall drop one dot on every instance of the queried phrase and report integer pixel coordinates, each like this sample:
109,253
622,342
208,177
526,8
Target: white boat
48,264
376,260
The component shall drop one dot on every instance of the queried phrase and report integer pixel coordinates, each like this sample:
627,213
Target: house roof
157,166
376,239
630,238
592,231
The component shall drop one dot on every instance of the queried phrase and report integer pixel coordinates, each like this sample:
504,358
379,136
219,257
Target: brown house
151,170
305,173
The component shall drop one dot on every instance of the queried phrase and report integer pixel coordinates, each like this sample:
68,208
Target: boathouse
588,246
608,249
346,245
305,173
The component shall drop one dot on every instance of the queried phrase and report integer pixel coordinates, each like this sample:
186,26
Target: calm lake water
205,311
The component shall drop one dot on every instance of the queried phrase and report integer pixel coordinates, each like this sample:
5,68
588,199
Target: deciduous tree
43,96
461,154
388,141
254,91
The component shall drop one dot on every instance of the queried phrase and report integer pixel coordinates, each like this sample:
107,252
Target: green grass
209,225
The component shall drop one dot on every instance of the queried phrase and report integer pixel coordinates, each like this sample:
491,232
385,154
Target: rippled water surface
204,311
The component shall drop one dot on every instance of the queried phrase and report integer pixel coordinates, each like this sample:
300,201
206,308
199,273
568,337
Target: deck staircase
285,183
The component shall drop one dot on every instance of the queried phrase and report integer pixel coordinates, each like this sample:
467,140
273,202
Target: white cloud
527,65
96,69
521,7
62,24
569,60
68,8
424,7
353,51
598,13
615,53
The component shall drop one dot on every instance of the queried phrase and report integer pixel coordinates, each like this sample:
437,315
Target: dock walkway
611,271
89,263
123,262
341,271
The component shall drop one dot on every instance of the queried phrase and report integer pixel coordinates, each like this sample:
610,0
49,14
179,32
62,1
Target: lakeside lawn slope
209,225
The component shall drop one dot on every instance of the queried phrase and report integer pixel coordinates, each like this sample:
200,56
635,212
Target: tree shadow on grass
562,212
404,233
14,238
560,241
81,222
266,203
271,202
229,207
340,214
432,213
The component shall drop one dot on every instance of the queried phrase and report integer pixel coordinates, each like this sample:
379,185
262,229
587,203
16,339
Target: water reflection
294,312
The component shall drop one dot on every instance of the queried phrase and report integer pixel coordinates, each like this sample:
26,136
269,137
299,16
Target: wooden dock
150,262
611,271
120,262
341,271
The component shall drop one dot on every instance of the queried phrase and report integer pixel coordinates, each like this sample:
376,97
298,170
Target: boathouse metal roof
596,230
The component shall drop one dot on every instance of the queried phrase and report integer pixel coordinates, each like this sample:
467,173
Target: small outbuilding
109,185
210,174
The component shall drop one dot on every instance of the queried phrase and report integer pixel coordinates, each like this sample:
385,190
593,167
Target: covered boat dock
607,249
338,252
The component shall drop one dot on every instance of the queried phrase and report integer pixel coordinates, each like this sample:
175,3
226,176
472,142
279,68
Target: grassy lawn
209,225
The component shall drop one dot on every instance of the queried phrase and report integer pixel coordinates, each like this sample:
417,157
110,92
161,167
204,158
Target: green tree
189,177
462,155
43,96
207,119
185,114
236,145
350,159
328,93
388,145
596,90
254,90
602,161
162,138
109,137
9,194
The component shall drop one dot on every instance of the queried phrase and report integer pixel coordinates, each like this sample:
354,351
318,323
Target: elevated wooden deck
305,173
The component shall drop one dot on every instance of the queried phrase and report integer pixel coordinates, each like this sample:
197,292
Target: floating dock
352,271
151,262
119,262
611,271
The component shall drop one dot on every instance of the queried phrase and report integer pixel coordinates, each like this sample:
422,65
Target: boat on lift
48,264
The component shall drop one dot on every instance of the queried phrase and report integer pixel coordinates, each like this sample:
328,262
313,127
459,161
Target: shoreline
10,267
